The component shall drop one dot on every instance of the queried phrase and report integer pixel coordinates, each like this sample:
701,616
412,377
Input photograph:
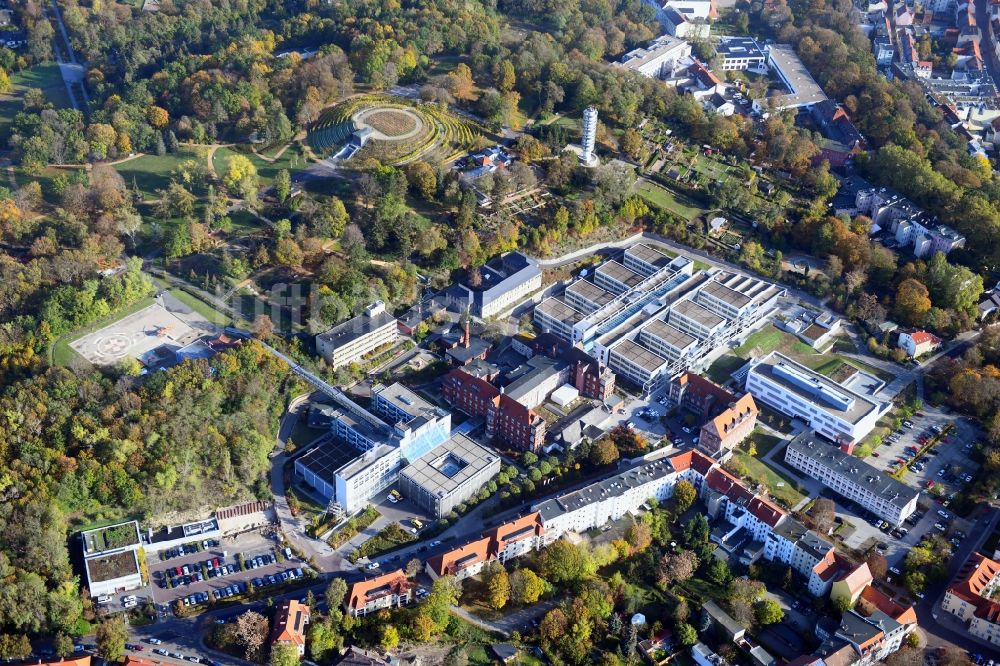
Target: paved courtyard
166,322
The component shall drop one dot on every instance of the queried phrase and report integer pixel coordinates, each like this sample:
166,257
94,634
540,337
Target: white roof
564,395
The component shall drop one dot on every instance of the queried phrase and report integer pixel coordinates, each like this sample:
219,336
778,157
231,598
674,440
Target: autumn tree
422,179
263,327
676,567
567,562
461,84
497,585
284,655
251,632
684,495
240,176
631,143
111,637
157,117
638,536
878,565
603,452
283,185
388,637
823,514
912,301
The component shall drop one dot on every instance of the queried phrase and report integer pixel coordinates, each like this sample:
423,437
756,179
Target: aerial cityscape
439,333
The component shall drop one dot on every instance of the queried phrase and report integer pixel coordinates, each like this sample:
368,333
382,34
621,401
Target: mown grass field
663,198
45,77
153,172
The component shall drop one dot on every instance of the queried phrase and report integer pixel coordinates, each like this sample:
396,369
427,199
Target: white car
895,570
435,543
393,499
153,641
372,566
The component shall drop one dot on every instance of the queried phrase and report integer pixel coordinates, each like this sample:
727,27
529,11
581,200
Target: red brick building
469,390
588,375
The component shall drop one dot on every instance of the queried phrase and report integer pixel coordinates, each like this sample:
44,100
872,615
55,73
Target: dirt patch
391,123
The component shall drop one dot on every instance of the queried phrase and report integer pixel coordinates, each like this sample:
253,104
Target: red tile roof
290,623
971,581
463,557
920,337
857,579
872,599
515,530
362,592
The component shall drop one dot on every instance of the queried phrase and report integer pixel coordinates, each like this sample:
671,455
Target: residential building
698,395
862,640
741,53
703,655
990,302
111,558
449,475
917,343
503,282
388,590
723,621
720,435
909,224
348,342
613,497
289,626
462,562
852,478
658,59
970,597
841,139
832,410
884,51
355,656
850,585
511,540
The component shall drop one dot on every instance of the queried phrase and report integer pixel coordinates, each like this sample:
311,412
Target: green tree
567,562
63,645
718,571
422,179
283,185
768,611
111,637
686,634
526,587
285,655
631,143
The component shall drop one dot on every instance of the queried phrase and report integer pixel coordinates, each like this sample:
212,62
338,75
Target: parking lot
945,465
214,572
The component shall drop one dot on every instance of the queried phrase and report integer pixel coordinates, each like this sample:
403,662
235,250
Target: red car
930,483
875,455
178,571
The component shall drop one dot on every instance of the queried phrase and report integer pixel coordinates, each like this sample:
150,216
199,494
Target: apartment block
832,410
388,590
511,540
852,478
970,597
348,342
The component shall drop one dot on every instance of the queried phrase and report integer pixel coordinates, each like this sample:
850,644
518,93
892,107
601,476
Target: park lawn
292,160
45,178
764,442
663,198
46,77
153,172
62,354
759,472
246,224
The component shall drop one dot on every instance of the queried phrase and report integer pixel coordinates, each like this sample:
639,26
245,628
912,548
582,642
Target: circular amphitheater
391,131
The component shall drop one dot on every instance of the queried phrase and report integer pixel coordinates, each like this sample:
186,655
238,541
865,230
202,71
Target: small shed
505,652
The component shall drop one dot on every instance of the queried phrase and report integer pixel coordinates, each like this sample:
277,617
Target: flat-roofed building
667,341
645,259
802,87
532,382
852,478
337,472
740,53
586,296
111,558
695,320
350,341
657,59
722,300
614,277
504,281
643,367
555,316
454,472
832,410
418,425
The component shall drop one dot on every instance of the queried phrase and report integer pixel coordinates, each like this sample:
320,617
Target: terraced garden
403,131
